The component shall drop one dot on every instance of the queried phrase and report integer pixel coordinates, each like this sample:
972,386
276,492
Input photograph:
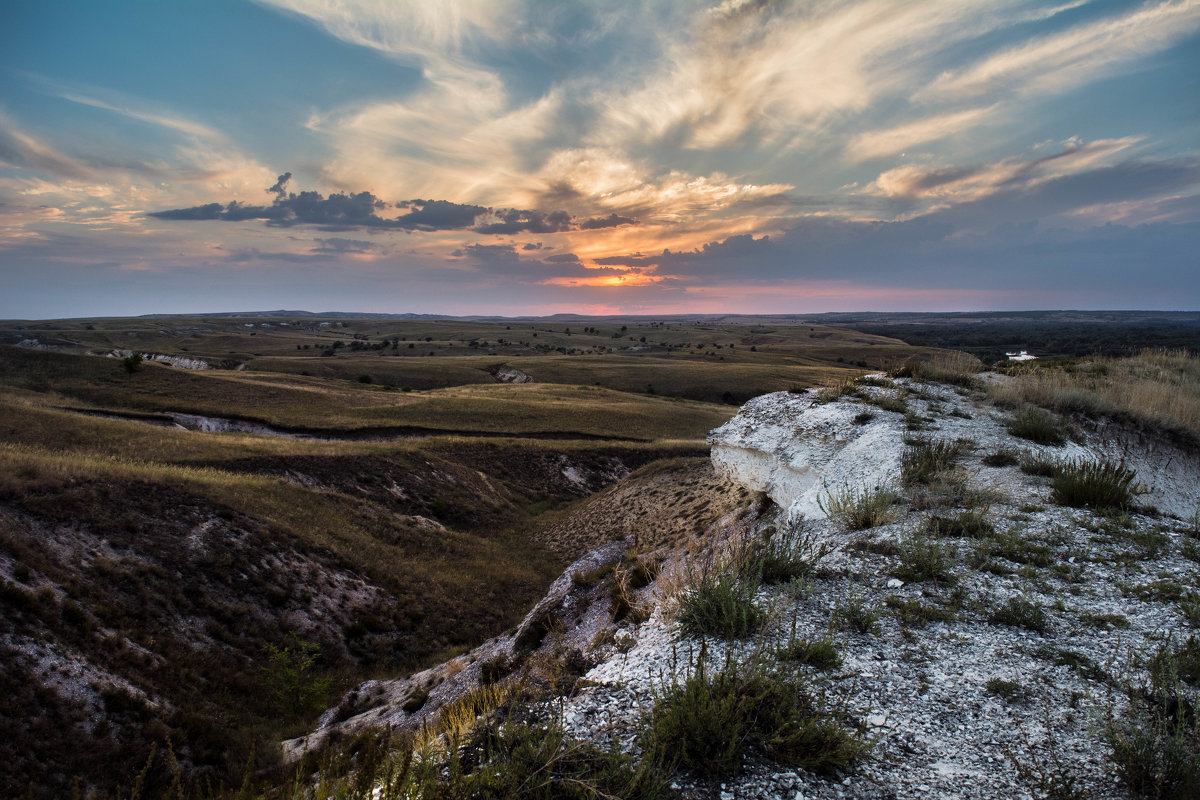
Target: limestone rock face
795,449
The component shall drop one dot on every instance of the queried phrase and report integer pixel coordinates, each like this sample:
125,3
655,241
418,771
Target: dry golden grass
1157,388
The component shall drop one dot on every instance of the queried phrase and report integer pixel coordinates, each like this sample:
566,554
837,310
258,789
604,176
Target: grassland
399,504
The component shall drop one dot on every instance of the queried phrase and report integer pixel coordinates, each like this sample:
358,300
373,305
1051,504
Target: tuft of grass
1002,457
857,510
1040,465
925,558
1103,485
719,603
1019,612
966,525
1006,690
1039,426
913,613
1154,741
863,417
953,367
855,615
790,555
712,720
820,654
924,460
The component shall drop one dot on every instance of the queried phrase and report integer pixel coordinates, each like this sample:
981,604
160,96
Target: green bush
1020,613
1093,484
967,525
923,460
855,615
789,555
719,604
819,654
709,722
1154,741
859,510
1040,426
1004,457
924,558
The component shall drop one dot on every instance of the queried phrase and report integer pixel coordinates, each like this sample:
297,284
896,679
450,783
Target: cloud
613,220
1078,55
511,220
889,141
434,215
339,246
279,189
364,210
949,184
562,258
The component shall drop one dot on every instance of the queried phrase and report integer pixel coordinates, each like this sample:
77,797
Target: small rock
895,583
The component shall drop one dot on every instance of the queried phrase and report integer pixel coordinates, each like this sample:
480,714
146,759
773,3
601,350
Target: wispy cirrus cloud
1081,54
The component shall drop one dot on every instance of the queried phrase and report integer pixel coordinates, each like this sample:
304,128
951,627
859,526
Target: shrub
1003,457
1038,425
1039,465
719,604
819,654
1093,484
859,510
132,362
863,417
790,555
967,525
1020,613
923,558
712,720
923,460
855,615
1155,742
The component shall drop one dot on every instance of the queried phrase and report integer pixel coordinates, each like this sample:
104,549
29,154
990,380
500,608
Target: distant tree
292,677
132,362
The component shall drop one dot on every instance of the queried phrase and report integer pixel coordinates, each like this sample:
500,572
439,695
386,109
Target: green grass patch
1039,426
713,719
1103,485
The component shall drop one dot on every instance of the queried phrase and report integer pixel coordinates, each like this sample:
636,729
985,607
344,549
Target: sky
507,157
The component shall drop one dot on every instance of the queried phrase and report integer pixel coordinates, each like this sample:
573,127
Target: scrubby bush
713,719
923,460
789,555
1019,612
1038,425
1093,484
857,510
719,603
924,558
819,654
1154,741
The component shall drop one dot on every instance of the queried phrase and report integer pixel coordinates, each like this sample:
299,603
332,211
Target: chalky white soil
921,689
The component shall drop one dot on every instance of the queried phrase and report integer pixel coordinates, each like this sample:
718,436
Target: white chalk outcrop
794,449
797,449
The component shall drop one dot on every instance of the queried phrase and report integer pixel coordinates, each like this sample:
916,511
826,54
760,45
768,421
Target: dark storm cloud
280,187
341,211
513,220
437,215
613,220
